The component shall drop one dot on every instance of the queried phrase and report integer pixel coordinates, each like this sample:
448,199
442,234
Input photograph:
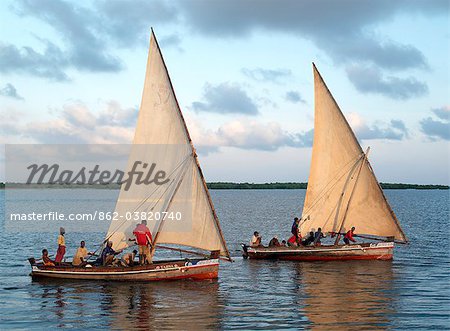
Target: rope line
336,180
145,200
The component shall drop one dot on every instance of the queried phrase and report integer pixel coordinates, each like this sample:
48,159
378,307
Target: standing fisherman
144,241
295,230
61,246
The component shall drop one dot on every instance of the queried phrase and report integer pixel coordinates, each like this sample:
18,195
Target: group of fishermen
313,238
142,238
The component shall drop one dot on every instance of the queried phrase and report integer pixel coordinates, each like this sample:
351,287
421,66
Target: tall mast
351,196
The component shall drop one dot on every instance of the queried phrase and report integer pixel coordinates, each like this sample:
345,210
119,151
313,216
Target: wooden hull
197,269
372,251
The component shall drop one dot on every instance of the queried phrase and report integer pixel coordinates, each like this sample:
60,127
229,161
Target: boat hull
191,269
373,251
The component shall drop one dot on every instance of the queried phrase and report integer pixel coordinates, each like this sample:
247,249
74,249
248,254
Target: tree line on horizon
293,185
239,186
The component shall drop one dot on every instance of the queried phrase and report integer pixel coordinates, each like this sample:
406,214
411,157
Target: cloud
115,115
245,134
85,43
127,23
9,123
90,35
277,76
225,98
255,135
371,80
395,130
440,128
294,97
443,113
92,32
26,60
80,29
10,91
76,124
343,29
172,40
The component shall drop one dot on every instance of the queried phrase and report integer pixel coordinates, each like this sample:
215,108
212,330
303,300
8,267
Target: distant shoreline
234,186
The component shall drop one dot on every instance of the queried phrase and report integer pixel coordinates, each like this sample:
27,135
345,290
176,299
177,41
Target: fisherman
274,242
80,256
283,243
349,236
144,242
292,241
46,259
308,240
318,236
128,259
294,228
108,254
256,240
61,246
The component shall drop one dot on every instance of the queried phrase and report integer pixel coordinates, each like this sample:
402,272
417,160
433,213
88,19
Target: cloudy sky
73,72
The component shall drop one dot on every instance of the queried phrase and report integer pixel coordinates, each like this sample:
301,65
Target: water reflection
347,294
137,306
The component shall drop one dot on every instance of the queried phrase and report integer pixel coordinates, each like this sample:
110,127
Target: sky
73,72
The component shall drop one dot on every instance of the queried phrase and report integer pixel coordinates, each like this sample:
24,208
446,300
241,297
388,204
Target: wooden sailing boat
161,135
342,192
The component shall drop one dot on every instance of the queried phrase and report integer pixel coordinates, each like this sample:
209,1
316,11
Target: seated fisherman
46,259
256,240
274,242
81,254
318,236
108,254
308,240
127,260
292,241
349,236
283,243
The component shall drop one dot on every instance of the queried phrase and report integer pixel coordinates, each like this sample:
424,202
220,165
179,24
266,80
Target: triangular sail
162,138
338,168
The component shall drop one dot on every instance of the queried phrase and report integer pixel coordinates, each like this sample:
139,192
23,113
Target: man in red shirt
349,236
144,241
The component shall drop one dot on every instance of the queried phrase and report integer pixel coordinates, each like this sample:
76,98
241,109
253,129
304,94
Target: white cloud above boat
225,98
438,126
393,130
9,90
372,80
276,76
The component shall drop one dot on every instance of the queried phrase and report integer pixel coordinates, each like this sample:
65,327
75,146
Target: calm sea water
410,292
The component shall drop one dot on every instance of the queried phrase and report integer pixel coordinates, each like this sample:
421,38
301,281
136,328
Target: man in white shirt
256,240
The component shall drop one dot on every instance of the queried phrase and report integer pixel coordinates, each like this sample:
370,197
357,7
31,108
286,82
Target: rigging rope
145,200
335,180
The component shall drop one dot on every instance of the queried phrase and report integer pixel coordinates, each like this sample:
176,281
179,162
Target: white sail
342,188
162,138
